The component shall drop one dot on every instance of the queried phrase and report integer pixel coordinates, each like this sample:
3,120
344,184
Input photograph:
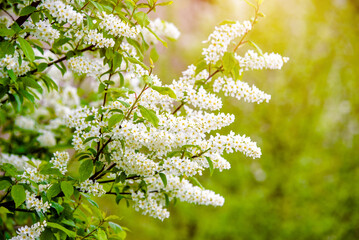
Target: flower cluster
62,12
95,38
161,28
115,26
20,162
30,233
11,62
33,202
254,61
239,90
83,65
46,139
32,174
43,30
60,161
92,187
221,38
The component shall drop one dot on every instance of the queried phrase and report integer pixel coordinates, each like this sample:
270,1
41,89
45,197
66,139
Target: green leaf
256,47
27,49
154,55
165,91
67,188
117,60
135,61
200,66
9,169
11,74
27,10
163,178
141,18
57,207
149,115
250,4
30,82
6,32
157,37
18,194
4,184
114,119
53,191
229,62
210,163
196,182
115,227
41,67
86,168
164,3
58,226
101,235
89,139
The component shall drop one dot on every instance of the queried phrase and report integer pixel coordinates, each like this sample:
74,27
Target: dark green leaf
165,91
163,178
27,10
27,49
114,119
142,18
58,226
53,191
4,184
30,82
86,168
18,194
149,115
67,188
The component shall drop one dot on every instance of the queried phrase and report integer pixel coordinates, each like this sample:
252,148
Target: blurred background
305,185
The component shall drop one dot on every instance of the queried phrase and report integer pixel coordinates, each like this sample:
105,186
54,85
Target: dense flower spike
115,26
222,37
83,65
254,61
60,161
30,233
92,187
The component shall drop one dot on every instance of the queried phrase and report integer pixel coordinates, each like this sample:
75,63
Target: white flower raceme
11,62
240,90
20,162
62,12
254,61
162,29
60,161
83,65
30,233
222,37
46,139
92,187
95,38
25,123
33,202
115,26
43,30
32,174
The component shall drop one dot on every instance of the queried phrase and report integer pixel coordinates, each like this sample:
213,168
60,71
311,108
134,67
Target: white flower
60,161
46,139
30,233
92,187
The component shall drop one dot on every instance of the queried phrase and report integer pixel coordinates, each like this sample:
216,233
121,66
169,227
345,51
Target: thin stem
178,108
84,5
8,14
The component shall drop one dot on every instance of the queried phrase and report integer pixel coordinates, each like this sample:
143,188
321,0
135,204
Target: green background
305,185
